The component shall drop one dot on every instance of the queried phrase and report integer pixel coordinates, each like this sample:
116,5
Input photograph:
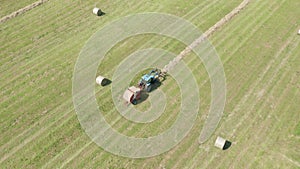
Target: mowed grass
259,50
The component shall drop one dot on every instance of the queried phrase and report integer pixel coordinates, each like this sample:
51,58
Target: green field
259,50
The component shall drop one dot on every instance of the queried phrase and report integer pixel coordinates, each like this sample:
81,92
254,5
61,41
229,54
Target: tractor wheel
148,88
134,101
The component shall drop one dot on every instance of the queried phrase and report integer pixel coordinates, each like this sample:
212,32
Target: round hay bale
98,12
100,80
299,32
220,142
132,94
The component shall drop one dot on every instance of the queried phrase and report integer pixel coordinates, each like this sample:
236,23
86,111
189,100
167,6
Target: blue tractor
149,79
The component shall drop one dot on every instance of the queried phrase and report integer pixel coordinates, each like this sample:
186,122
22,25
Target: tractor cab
148,79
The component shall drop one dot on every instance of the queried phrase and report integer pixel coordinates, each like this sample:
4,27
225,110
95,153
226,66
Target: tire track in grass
183,143
251,35
245,30
29,111
7,7
197,158
32,61
21,91
65,19
113,123
103,159
26,141
207,34
40,121
27,32
70,9
67,16
140,131
202,8
268,67
24,96
187,148
245,98
193,160
68,102
204,11
36,67
63,153
245,25
255,30
53,128
44,147
260,78
63,13
190,136
245,39
281,64
76,154
279,124
295,163
277,114
81,150
67,116
20,73
255,120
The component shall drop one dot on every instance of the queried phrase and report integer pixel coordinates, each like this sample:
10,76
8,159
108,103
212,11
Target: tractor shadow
155,86
145,94
144,97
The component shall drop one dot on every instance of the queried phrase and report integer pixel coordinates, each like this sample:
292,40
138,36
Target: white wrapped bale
100,80
220,143
299,32
98,12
